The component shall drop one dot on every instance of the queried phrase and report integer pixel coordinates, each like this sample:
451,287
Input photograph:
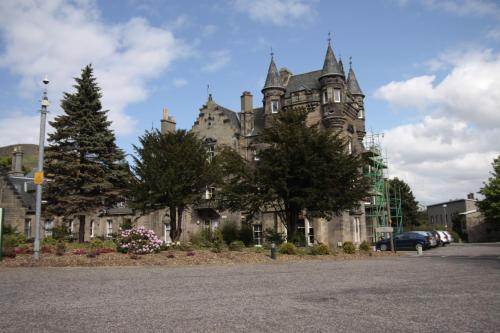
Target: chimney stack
167,123
470,196
246,114
17,162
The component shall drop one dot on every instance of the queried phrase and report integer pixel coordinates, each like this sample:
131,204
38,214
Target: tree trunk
291,223
81,231
180,211
173,224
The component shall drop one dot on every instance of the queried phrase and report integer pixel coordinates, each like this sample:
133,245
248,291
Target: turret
273,90
332,78
358,97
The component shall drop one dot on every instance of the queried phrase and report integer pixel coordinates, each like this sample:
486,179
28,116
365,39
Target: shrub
109,244
60,248
320,249
47,249
236,246
259,249
288,248
10,241
349,248
246,234
218,242
230,232
96,243
49,241
299,239
24,249
202,238
365,247
456,236
185,246
138,240
60,232
126,225
7,229
9,252
275,237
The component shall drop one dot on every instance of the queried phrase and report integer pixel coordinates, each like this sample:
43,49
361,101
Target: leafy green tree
490,205
171,170
300,168
5,163
409,205
82,160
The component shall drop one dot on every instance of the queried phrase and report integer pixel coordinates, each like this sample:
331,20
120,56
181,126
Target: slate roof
352,83
273,79
231,115
305,81
17,185
330,66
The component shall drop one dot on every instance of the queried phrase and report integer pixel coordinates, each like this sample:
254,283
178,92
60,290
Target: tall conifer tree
83,162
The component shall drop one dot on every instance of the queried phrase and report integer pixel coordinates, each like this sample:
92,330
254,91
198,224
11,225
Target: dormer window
275,105
336,95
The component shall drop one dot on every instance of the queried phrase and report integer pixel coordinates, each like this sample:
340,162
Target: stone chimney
167,123
246,115
470,196
285,75
17,162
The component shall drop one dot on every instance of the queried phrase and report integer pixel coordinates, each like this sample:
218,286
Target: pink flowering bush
138,240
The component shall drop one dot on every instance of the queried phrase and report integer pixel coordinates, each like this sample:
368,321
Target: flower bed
138,240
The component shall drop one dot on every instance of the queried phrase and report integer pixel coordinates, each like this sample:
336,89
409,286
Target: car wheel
383,247
419,246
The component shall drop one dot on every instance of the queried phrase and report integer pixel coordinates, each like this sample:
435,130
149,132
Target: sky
430,69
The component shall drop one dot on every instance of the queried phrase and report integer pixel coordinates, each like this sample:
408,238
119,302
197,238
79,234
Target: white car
450,237
444,238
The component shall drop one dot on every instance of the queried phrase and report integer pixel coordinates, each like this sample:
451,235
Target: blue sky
430,69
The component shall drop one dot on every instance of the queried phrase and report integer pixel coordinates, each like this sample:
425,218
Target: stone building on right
463,217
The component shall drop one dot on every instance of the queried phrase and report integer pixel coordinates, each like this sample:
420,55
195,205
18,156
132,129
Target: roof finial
350,62
272,53
329,38
208,89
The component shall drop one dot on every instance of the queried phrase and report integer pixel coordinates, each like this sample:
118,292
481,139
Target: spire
330,66
341,66
352,82
273,76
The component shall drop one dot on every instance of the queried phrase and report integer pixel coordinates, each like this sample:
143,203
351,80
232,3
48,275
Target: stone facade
333,101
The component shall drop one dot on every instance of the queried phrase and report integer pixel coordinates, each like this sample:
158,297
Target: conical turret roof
352,82
273,79
331,66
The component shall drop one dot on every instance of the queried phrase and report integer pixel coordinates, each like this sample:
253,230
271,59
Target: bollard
273,251
419,250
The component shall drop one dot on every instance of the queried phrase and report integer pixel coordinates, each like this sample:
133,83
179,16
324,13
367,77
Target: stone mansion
334,101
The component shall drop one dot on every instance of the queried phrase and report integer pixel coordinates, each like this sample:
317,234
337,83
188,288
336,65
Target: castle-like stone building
333,100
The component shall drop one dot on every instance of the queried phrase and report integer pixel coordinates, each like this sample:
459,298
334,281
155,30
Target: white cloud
217,60
208,30
441,158
19,128
470,91
449,152
277,12
59,38
180,83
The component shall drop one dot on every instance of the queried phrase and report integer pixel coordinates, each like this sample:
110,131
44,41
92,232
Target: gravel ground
453,289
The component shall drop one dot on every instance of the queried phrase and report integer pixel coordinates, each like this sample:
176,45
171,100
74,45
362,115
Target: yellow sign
38,178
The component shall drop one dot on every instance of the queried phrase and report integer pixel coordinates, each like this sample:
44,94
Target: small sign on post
384,229
38,179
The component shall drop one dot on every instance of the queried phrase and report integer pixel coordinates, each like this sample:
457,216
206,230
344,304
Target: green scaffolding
376,206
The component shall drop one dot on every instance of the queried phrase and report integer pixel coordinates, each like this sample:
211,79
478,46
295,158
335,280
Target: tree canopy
86,169
409,206
490,205
300,169
171,170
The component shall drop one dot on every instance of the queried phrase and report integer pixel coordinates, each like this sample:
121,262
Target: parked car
406,241
437,237
450,237
443,237
432,239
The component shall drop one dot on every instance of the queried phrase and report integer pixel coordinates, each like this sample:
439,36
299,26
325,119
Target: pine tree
82,160
300,168
490,205
409,205
171,170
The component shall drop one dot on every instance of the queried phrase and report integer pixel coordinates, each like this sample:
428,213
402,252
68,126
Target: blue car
406,241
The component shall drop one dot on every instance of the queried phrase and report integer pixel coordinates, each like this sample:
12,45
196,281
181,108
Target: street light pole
445,217
39,174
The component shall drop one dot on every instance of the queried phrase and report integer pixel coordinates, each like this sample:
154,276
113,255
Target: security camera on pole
39,174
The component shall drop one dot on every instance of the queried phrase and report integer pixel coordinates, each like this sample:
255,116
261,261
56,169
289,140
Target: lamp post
39,174
445,217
